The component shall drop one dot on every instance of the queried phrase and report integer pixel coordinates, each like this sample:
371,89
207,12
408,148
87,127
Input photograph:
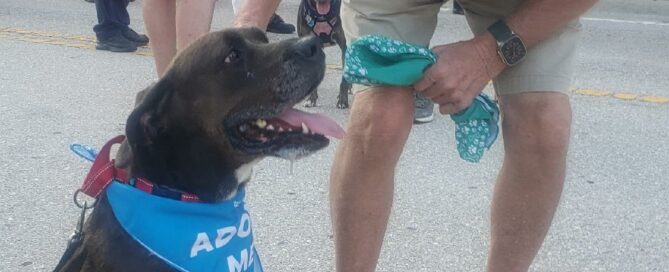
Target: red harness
103,172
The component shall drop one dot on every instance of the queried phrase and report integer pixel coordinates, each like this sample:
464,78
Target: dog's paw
342,103
310,104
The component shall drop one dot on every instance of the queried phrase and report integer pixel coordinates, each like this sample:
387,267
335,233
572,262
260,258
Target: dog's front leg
345,86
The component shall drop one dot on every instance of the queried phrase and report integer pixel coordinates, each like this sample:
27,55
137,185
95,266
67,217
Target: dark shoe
457,9
90,1
139,40
115,43
423,109
277,25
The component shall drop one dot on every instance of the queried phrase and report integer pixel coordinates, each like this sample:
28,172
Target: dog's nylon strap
103,172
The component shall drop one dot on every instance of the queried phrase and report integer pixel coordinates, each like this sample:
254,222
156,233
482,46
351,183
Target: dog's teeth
280,129
270,127
290,130
261,123
305,129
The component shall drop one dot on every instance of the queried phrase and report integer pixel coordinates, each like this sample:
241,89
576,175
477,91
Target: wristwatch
509,46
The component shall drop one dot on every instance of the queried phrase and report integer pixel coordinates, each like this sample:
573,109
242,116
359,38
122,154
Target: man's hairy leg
536,138
362,177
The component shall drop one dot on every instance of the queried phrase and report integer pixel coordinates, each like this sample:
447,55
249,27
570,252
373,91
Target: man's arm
536,20
533,21
256,13
464,68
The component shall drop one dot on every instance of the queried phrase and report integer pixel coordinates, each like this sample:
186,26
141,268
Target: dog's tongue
317,123
323,8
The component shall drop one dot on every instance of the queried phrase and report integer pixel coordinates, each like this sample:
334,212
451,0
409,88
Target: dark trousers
112,17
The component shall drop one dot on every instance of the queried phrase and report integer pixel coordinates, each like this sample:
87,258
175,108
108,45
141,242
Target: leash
76,239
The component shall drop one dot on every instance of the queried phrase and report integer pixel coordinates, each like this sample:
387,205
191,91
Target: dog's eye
233,56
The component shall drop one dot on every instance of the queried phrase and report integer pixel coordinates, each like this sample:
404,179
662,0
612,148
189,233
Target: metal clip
77,202
80,223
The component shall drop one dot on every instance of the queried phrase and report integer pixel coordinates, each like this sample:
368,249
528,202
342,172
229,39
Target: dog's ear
148,120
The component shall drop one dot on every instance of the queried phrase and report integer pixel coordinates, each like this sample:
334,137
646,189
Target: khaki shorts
548,65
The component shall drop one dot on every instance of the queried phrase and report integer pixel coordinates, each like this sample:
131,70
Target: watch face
513,50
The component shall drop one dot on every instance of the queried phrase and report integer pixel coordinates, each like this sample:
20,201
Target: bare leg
160,27
193,18
536,138
361,184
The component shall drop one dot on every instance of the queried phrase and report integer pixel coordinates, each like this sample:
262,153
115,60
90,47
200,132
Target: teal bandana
189,236
377,60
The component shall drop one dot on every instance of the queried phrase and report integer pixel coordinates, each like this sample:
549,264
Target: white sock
236,5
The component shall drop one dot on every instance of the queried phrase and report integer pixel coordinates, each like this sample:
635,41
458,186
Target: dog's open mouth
323,7
290,134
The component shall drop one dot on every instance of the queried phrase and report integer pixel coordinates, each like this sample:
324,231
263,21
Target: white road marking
609,20
624,21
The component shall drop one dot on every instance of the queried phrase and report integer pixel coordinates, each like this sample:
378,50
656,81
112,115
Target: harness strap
104,171
322,25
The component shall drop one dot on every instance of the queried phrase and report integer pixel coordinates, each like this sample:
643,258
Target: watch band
500,30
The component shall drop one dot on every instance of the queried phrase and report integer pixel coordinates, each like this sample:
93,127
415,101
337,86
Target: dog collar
188,236
322,25
103,172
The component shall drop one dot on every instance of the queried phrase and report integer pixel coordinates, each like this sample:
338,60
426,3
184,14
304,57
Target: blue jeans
112,17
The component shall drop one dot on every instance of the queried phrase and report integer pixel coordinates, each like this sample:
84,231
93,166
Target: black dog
225,104
320,18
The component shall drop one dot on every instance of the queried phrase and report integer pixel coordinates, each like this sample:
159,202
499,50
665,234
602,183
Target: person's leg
536,129
159,20
193,20
121,12
106,18
108,31
362,177
536,121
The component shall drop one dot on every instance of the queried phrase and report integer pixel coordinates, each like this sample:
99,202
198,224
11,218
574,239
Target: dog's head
322,6
227,101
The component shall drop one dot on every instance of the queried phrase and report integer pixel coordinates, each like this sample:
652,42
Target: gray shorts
548,65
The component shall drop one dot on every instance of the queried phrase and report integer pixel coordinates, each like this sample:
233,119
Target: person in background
174,24
113,32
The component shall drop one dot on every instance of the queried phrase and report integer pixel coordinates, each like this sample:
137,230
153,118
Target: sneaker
115,43
139,40
277,25
423,109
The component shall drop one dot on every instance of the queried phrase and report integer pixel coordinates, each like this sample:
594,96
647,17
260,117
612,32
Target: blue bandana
189,236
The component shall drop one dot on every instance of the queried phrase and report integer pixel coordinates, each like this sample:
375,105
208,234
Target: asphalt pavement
56,90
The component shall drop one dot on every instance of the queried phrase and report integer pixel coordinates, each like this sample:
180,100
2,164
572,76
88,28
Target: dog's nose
306,47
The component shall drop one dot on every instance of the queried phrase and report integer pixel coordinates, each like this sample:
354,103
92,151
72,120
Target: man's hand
462,71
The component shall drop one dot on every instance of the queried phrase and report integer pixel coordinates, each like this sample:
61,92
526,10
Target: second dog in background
321,18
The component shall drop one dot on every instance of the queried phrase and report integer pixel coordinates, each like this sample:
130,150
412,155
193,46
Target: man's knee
537,124
382,115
